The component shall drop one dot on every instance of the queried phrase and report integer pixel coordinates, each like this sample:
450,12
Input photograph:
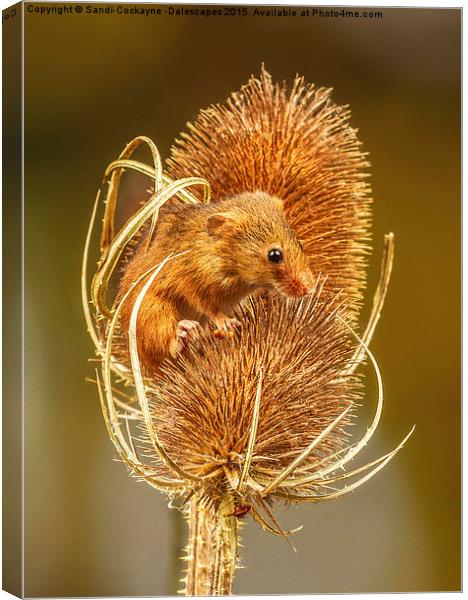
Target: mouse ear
218,222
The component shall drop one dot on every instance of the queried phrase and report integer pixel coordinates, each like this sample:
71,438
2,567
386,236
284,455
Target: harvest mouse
233,248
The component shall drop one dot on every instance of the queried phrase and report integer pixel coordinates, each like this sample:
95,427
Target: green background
92,83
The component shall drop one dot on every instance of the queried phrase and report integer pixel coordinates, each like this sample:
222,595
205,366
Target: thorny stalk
211,552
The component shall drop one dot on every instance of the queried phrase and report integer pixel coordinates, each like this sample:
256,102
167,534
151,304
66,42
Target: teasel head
295,143
238,423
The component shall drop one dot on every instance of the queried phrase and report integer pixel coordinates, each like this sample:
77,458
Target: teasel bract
235,424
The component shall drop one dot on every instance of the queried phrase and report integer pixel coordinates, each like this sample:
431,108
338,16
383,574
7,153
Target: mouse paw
226,326
187,331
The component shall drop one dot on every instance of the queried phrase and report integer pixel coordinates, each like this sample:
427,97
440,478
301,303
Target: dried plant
237,423
296,144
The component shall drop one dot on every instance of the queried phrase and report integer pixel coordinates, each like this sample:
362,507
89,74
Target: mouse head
256,243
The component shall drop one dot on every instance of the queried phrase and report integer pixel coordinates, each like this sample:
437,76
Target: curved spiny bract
298,145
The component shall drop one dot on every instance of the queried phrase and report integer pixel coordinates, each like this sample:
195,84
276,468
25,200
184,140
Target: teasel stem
212,547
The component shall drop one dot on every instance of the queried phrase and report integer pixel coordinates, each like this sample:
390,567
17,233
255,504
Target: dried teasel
237,423
296,144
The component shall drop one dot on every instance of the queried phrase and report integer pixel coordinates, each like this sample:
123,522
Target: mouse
232,248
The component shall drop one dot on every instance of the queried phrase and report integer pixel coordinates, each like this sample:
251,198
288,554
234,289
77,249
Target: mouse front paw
187,331
226,326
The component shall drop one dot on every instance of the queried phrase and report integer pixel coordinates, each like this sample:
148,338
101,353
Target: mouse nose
296,285
304,284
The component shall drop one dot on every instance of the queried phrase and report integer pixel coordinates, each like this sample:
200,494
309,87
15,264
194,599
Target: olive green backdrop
94,82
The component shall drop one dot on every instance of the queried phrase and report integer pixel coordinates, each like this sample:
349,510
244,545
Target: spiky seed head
296,144
203,404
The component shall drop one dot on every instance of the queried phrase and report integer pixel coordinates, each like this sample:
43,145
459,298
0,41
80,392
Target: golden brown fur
227,246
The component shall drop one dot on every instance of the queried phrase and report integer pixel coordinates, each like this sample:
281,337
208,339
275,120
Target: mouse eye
275,255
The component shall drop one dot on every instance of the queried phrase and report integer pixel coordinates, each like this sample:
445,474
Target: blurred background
92,83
